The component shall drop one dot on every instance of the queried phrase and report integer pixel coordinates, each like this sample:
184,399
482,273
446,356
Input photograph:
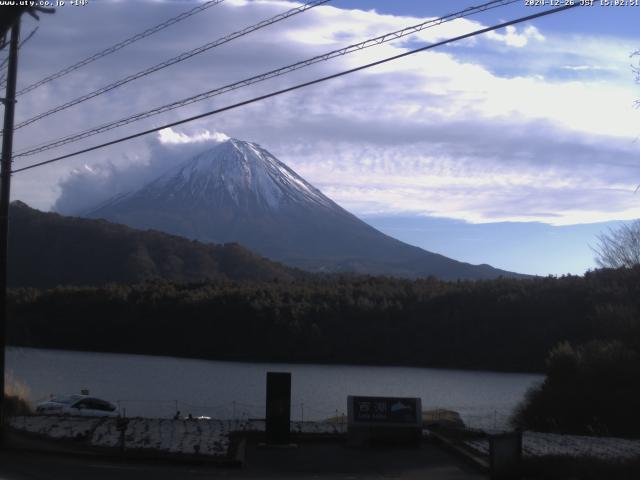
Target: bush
14,405
591,389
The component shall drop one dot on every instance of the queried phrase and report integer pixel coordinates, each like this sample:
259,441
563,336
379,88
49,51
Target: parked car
82,405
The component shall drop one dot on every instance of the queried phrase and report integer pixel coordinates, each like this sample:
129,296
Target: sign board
387,411
278,415
396,420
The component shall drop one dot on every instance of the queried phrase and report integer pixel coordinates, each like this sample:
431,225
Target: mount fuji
239,192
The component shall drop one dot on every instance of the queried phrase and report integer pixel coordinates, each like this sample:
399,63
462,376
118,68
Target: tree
619,247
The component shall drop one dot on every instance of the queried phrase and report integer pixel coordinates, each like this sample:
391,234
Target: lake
156,386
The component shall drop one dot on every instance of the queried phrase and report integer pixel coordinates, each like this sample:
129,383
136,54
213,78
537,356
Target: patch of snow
55,426
536,444
242,171
204,437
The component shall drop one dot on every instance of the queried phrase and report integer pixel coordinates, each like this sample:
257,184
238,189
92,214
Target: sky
515,148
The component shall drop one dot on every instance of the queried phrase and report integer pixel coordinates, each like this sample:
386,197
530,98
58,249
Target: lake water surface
157,386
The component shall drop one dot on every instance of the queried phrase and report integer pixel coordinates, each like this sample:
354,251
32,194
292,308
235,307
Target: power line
28,37
263,77
25,40
120,45
172,61
4,62
301,85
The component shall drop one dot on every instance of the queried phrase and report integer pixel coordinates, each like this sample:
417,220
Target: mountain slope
47,249
239,192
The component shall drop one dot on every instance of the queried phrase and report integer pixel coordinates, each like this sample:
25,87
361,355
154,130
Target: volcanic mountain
239,192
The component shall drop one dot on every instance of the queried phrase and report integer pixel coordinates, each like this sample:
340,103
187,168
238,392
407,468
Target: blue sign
387,410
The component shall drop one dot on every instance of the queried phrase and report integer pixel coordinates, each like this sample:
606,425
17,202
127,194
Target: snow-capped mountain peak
239,172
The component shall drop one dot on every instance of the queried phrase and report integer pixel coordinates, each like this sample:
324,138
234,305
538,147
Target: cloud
583,68
169,135
467,176
485,131
89,185
512,38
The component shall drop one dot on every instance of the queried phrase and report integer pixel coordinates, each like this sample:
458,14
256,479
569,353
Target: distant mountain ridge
47,249
239,192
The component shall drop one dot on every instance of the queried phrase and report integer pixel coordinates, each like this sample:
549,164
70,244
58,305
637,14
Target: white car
81,405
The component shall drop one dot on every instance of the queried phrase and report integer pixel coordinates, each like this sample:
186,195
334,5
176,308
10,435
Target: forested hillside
504,324
46,250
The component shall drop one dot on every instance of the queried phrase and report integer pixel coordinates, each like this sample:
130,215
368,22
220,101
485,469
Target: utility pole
5,195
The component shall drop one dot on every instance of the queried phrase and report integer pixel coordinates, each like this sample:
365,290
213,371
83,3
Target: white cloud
169,135
484,132
583,68
474,182
512,38
88,185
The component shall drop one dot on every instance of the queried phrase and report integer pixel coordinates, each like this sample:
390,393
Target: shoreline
276,362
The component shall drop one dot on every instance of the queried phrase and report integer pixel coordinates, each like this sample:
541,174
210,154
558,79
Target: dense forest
47,249
504,324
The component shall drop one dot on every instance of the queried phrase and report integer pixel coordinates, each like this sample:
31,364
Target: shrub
589,389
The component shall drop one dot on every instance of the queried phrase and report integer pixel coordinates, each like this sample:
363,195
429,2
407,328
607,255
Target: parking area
333,460
314,460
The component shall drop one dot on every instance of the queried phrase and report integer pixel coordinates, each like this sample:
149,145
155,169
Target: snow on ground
52,426
206,437
536,444
210,437
199,436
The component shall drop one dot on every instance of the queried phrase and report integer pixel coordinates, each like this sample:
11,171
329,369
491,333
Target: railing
473,419
234,410
470,419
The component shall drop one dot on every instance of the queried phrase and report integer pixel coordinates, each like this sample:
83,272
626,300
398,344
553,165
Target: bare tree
619,247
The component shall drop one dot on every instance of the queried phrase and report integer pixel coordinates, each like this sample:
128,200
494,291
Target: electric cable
301,85
172,61
3,81
262,77
120,45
